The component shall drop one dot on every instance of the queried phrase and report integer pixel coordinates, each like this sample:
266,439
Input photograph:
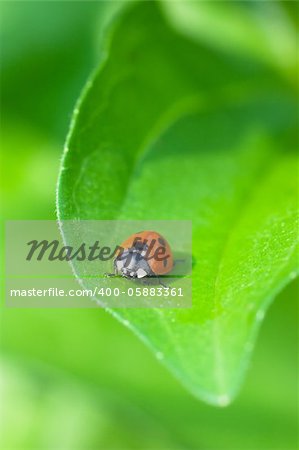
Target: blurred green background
77,379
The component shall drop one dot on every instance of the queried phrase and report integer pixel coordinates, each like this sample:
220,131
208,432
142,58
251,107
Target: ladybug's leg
111,274
160,282
144,281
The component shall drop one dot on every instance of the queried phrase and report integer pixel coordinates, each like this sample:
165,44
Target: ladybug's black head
132,264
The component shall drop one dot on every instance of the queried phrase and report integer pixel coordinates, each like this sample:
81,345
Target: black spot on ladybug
138,245
161,241
165,262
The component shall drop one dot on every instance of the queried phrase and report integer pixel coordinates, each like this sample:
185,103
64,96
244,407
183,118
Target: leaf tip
223,400
220,400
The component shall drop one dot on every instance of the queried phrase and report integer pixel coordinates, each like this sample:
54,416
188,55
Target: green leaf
247,27
169,129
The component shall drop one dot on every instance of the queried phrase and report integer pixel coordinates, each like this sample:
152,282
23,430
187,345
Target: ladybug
144,254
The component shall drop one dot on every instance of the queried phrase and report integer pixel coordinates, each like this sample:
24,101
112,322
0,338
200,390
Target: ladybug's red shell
160,265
